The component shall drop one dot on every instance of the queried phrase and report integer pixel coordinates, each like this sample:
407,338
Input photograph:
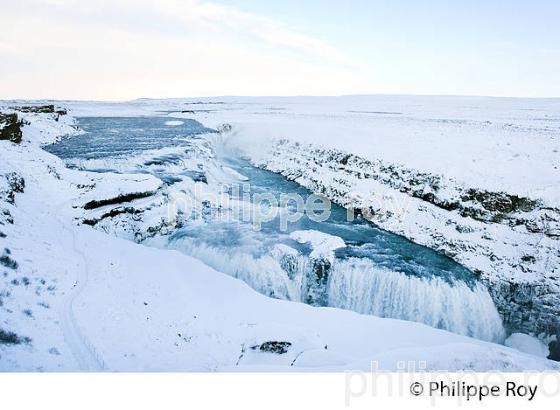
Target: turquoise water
362,238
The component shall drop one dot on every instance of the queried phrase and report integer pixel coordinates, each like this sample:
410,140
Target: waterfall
357,284
263,273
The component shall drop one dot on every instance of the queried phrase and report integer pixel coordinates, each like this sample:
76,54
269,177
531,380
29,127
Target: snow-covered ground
77,298
498,144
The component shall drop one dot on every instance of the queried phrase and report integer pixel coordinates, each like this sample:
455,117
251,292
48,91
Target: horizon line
119,100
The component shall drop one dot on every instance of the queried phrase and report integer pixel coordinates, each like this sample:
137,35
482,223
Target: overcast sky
124,49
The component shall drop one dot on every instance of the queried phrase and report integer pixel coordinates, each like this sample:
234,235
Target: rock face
445,193
509,241
554,348
11,124
10,128
527,306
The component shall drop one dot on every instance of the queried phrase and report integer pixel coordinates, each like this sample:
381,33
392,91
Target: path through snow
85,354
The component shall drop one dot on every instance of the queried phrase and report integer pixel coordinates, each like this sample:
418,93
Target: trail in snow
85,354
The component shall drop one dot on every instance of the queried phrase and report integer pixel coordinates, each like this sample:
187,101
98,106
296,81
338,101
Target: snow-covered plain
500,144
92,301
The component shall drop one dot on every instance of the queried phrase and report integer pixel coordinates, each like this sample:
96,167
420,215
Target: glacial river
369,270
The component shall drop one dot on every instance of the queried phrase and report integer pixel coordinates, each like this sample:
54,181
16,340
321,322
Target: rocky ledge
10,127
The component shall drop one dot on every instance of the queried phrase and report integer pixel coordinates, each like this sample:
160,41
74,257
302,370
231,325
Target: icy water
376,272
113,136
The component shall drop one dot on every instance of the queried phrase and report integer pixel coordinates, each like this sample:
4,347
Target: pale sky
125,49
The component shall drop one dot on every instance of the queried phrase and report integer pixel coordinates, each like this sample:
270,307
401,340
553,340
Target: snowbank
527,344
323,245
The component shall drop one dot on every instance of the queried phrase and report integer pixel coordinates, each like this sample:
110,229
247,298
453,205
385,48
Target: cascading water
263,273
357,284
375,272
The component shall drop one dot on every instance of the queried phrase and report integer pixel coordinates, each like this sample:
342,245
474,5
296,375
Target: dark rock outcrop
554,350
112,213
10,128
273,347
10,338
7,261
41,109
117,200
317,278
